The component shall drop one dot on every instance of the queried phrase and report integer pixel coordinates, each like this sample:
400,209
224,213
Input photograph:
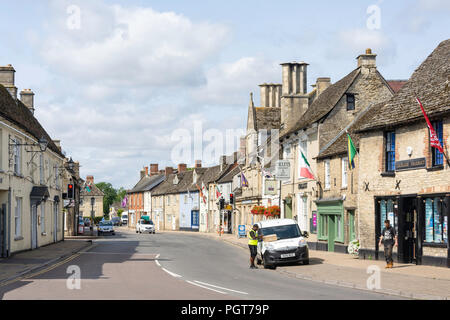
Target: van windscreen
283,232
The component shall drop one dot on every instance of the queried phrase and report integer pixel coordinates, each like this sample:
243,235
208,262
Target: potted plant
258,210
273,211
353,248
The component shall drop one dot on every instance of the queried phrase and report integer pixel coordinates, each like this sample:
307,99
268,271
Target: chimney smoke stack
27,98
7,79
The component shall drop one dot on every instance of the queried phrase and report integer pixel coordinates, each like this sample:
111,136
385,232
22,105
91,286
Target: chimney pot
90,179
182,167
7,79
154,169
27,98
168,171
146,171
198,163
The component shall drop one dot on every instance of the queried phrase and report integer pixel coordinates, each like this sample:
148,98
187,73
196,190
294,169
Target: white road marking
199,285
157,256
207,284
171,273
157,262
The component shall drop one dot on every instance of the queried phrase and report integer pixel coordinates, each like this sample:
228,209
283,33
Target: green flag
351,152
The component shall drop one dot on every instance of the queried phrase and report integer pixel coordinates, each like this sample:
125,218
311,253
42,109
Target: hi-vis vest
250,240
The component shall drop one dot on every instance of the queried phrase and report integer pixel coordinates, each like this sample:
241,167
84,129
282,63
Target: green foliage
119,213
111,195
97,219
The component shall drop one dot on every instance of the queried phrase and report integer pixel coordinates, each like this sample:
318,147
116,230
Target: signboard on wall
270,187
283,170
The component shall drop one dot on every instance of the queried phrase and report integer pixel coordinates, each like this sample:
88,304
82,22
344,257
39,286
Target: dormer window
350,101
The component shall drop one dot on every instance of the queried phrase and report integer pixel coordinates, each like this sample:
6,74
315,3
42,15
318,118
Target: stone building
31,164
88,192
401,177
332,107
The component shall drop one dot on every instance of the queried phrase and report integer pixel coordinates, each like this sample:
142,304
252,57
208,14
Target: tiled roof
146,181
16,112
324,103
267,118
229,176
396,85
429,82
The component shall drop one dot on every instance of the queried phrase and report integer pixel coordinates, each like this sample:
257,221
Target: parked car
285,243
124,219
105,227
116,221
145,226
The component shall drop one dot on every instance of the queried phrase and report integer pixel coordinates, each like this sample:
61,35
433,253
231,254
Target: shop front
331,224
421,224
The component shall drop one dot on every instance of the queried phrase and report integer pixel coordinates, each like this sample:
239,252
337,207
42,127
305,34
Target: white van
124,219
283,242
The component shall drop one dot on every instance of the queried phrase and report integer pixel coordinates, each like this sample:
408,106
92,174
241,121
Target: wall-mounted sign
271,187
302,186
283,170
410,164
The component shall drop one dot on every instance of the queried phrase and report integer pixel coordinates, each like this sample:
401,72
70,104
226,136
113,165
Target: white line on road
171,273
199,285
157,262
207,284
157,256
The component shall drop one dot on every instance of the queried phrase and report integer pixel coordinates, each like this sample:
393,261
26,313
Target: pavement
405,280
23,263
174,266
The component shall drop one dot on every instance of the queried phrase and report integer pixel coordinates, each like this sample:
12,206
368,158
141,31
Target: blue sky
116,89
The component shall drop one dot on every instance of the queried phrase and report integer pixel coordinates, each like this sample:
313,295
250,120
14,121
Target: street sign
241,231
283,170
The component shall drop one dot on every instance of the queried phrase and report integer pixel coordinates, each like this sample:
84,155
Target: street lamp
43,143
92,215
70,164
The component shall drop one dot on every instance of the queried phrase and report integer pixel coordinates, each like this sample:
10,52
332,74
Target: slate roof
185,183
429,82
324,103
19,114
95,191
267,118
145,182
229,176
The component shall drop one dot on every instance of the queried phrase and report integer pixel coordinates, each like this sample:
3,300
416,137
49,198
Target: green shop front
331,225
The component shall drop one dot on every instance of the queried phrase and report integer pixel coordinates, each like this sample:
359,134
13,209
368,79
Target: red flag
434,141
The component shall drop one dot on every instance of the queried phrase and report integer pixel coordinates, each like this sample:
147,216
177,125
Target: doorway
331,232
288,208
3,231
407,235
55,230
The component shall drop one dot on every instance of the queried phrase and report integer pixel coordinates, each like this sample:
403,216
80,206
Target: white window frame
41,168
17,154
344,164
327,174
18,217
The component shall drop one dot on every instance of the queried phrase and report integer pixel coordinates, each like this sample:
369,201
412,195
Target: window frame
344,172
437,158
17,156
348,97
327,169
43,229
389,143
18,217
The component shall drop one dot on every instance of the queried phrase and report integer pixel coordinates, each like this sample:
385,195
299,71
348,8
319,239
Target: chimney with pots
270,95
142,173
154,169
198,163
27,98
168,171
182,167
367,62
294,99
7,79
146,171
58,144
90,179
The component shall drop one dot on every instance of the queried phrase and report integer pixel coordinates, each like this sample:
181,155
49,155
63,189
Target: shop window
438,157
338,227
436,223
390,151
344,172
387,213
327,174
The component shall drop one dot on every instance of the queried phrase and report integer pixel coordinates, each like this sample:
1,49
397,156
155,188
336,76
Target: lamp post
92,215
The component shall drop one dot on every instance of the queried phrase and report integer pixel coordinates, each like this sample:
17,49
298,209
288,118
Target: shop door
55,229
194,219
288,210
331,232
351,225
33,227
407,231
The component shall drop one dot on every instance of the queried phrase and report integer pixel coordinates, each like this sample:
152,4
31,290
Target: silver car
105,227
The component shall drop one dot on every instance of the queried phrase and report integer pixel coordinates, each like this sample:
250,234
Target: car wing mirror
305,234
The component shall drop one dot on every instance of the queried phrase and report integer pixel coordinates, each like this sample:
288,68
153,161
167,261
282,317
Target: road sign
241,231
283,170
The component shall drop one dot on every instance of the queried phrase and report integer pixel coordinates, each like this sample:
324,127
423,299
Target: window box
18,238
435,168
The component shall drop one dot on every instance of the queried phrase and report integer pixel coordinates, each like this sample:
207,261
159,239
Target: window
17,151
42,217
338,226
327,174
344,172
390,151
438,157
55,171
436,223
18,217
185,199
387,213
287,152
168,200
350,101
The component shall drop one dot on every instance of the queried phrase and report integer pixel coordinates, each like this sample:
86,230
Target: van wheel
258,261
306,262
268,266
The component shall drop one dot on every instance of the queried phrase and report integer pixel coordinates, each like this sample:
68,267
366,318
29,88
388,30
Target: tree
121,193
110,195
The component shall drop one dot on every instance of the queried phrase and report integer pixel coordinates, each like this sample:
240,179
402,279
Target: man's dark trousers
388,252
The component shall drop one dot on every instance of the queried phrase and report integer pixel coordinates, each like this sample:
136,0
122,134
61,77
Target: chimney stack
198,163
27,98
7,79
90,179
142,172
294,99
367,62
270,95
322,84
168,171
154,169
146,171
58,144
182,168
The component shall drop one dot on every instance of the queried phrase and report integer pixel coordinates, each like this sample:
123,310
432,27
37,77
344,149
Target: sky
123,83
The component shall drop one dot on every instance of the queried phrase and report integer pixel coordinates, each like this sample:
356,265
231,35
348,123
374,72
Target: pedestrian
389,239
253,245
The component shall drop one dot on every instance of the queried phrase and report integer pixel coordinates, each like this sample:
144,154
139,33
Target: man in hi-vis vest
253,245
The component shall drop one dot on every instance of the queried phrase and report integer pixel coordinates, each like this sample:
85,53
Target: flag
244,182
351,152
204,191
218,193
88,187
305,168
124,202
434,140
201,193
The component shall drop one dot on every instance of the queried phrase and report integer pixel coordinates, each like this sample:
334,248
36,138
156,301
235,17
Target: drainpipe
8,231
447,208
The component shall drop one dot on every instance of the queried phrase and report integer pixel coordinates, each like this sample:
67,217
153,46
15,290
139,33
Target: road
171,266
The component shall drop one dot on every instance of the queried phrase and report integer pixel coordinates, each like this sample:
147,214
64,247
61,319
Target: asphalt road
169,266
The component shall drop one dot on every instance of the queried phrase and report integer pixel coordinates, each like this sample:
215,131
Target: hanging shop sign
283,170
